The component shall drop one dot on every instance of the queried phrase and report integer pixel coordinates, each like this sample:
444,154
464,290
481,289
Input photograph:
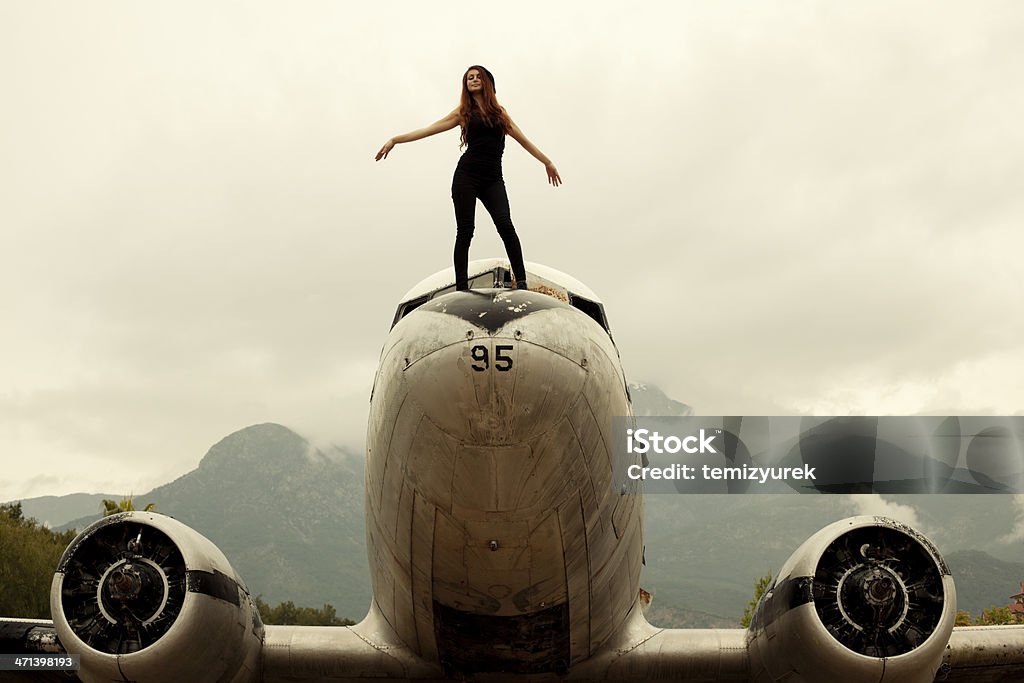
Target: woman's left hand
383,153
553,176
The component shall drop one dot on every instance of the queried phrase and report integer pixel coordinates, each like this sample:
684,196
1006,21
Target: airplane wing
644,652
30,637
975,654
984,654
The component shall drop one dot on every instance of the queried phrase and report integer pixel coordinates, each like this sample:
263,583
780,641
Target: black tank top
484,147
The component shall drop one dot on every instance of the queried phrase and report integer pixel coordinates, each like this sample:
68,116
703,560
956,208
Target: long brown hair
490,111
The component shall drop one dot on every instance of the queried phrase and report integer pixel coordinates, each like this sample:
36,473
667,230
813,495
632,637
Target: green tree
29,553
963,618
994,616
111,507
760,586
286,613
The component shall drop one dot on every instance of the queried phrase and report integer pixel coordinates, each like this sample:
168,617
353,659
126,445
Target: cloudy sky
805,207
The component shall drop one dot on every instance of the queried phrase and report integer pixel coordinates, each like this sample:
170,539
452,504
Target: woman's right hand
553,176
383,153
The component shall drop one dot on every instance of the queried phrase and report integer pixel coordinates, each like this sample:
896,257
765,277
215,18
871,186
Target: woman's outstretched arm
447,123
518,136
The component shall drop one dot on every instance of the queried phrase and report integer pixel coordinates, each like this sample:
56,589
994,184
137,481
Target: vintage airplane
499,548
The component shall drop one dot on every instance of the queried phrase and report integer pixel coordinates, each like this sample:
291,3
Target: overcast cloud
804,207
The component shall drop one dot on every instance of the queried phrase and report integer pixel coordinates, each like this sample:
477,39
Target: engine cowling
142,597
865,599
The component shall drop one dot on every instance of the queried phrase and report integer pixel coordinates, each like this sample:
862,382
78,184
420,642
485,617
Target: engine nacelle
142,597
866,599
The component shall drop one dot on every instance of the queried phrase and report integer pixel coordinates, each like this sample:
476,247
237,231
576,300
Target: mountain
983,581
56,511
288,516
648,400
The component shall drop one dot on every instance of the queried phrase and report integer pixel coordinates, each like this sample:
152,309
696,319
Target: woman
485,123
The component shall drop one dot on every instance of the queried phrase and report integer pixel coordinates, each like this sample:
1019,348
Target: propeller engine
141,596
864,599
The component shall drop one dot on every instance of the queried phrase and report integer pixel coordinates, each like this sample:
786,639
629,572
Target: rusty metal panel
622,598
402,442
403,528
489,479
601,622
383,585
560,468
508,535
582,419
625,510
404,615
635,533
512,468
445,385
554,383
422,535
588,497
449,567
598,464
378,441
600,540
431,464
397,435
421,560
391,491
385,407
577,576
473,484
611,593
400,544
498,560
547,568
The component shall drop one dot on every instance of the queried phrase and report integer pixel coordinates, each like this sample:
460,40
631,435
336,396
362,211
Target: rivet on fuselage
519,334
469,334
583,363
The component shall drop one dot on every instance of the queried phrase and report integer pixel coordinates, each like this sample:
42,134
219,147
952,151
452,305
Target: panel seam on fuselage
391,439
590,583
579,443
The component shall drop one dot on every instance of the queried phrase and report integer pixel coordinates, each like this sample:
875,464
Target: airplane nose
496,387
495,390
489,400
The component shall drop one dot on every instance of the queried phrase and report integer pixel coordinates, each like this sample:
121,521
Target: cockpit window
408,307
501,277
494,277
593,309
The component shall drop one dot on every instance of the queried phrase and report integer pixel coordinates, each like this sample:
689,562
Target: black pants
465,191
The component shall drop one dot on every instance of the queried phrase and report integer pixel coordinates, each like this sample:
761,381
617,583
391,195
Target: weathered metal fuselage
495,539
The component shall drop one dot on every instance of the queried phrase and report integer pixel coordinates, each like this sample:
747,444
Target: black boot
521,284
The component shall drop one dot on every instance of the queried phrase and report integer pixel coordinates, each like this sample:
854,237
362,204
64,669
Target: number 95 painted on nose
502,357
